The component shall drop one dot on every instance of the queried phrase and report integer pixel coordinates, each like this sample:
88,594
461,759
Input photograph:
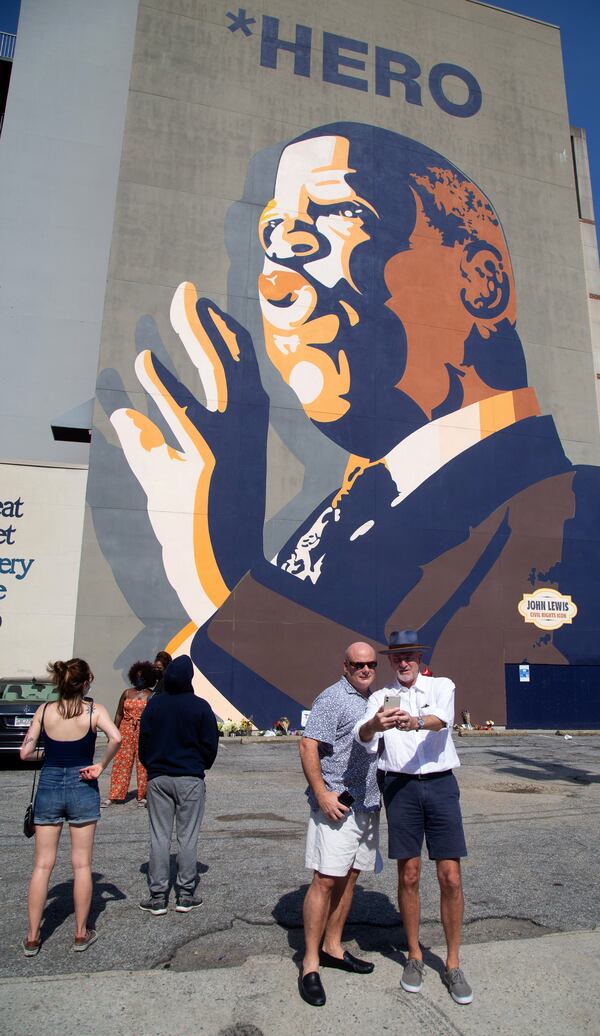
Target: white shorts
334,847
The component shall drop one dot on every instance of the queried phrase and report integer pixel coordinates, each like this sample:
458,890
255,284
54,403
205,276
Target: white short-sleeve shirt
415,751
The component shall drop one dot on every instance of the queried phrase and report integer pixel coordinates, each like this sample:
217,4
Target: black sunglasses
361,665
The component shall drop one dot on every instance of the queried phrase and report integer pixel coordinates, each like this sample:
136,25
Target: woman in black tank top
67,790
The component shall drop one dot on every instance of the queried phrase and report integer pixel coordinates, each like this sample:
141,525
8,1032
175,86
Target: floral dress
128,753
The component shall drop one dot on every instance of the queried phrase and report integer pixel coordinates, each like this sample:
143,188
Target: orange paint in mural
207,568
151,437
190,297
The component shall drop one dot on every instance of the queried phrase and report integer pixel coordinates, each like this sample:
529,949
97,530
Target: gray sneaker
412,976
154,905
458,987
187,903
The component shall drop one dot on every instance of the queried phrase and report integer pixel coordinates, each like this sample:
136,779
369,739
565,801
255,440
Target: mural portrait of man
389,308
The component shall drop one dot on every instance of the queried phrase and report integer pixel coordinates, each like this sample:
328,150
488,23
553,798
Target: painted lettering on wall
344,63
18,568
547,608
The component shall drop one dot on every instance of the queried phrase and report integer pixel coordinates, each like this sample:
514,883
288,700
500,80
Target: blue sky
579,22
9,15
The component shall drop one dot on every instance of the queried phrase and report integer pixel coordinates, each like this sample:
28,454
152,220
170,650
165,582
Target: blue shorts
429,808
63,795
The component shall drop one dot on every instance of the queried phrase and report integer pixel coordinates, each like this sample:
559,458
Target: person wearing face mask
414,717
162,660
132,703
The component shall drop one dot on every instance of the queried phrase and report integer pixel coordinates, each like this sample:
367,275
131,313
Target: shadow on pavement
201,868
373,923
59,905
107,803
534,770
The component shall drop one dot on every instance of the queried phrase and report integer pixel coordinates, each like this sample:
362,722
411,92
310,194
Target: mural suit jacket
452,560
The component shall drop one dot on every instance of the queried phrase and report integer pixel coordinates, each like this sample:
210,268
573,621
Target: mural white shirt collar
423,453
410,464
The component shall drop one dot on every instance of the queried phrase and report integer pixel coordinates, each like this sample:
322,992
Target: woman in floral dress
132,703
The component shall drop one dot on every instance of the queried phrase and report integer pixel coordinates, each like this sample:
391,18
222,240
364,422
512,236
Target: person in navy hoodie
178,743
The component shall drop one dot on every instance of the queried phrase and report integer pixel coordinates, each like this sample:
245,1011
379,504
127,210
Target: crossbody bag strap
37,748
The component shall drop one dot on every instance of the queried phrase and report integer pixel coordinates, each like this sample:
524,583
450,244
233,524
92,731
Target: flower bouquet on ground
281,725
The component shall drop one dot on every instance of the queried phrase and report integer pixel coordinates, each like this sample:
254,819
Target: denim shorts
63,795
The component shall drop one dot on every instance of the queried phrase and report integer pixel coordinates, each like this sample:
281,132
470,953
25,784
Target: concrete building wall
41,517
589,242
59,161
175,550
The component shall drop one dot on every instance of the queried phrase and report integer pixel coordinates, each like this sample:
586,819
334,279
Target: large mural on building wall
389,309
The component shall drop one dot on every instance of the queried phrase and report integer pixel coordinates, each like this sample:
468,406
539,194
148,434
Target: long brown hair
70,678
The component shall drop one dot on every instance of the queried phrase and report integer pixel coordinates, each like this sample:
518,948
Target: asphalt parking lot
531,807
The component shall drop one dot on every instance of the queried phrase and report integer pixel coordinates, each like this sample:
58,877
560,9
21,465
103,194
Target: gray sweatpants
179,799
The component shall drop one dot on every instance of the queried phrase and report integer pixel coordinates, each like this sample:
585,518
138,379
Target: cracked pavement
531,807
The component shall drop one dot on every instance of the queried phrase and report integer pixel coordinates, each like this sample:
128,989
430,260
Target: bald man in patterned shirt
343,829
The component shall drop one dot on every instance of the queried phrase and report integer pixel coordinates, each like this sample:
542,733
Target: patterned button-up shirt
344,762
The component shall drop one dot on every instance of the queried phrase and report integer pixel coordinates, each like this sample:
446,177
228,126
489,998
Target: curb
257,739
526,733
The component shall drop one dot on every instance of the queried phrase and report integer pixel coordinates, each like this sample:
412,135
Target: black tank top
70,753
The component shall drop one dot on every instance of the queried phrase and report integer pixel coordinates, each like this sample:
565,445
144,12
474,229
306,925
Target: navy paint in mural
570,697
342,67
389,309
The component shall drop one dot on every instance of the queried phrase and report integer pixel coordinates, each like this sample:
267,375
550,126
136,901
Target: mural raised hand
205,498
388,303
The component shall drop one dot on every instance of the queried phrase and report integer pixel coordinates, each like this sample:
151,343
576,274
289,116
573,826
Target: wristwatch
420,723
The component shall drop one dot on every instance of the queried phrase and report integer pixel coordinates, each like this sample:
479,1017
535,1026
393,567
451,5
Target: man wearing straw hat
414,718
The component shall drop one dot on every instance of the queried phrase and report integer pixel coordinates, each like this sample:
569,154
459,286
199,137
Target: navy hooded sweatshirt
178,730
